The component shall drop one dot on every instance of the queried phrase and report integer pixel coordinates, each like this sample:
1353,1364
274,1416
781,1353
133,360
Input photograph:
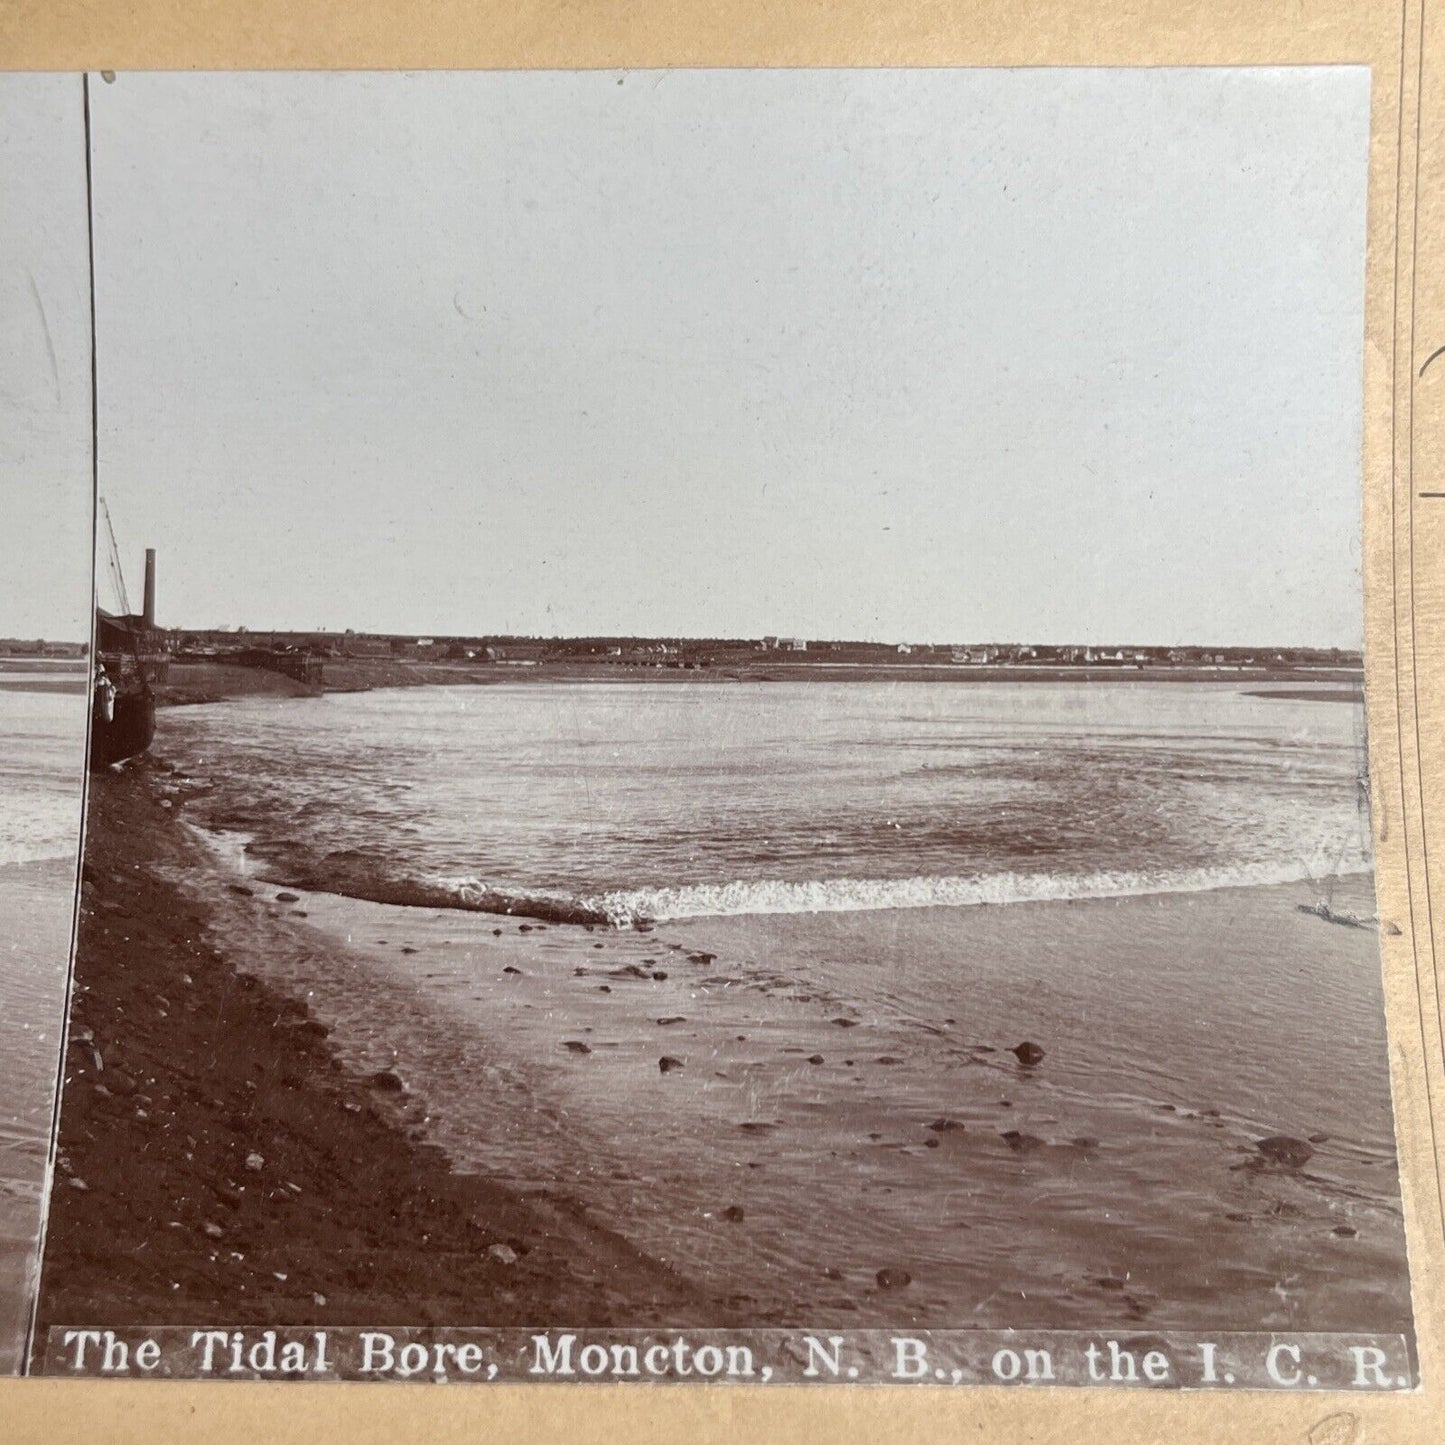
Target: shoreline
259,866
217,1161
191,684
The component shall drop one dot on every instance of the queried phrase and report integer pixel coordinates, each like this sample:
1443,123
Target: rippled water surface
679,800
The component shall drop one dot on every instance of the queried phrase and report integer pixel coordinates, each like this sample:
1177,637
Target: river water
42,745
674,801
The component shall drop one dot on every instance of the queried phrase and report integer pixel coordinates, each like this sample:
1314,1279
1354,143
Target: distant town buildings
729,655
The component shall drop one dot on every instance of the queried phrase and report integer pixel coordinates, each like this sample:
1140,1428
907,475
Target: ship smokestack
148,615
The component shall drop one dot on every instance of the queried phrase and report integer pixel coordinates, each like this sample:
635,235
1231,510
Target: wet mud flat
218,1162
1166,1111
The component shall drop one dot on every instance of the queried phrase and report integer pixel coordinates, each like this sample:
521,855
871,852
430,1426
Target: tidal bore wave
626,908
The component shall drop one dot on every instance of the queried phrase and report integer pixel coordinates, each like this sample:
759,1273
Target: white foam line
856,895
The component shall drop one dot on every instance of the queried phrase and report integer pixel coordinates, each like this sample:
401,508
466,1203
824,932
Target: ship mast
117,574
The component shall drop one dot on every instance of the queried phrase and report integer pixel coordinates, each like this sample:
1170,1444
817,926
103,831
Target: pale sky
923,355
45,509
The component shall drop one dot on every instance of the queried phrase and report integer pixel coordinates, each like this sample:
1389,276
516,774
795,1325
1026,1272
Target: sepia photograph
726,731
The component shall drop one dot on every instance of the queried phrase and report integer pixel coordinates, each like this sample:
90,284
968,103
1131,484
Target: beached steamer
123,706
127,732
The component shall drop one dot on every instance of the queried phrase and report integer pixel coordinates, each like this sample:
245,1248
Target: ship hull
127,733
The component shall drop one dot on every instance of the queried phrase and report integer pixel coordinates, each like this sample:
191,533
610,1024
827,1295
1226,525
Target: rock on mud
1021,1143
1028,1053
891,1277
666,1064
1285,1150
